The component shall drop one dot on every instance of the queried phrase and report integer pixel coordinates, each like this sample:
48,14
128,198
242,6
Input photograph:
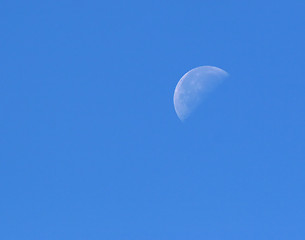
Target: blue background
91,147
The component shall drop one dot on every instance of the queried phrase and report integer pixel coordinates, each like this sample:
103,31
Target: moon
194,86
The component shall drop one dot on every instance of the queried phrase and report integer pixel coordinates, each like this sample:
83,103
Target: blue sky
91,147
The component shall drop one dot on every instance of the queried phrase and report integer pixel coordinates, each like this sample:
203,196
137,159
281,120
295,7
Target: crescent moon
194,86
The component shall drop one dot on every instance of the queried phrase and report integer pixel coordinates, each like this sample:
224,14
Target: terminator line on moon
194,86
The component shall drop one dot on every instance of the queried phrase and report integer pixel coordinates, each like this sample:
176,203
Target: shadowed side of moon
194,86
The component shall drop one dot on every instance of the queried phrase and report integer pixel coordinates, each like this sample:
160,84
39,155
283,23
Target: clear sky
91,146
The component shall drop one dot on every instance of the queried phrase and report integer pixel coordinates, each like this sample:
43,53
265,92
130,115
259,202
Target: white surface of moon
194,86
